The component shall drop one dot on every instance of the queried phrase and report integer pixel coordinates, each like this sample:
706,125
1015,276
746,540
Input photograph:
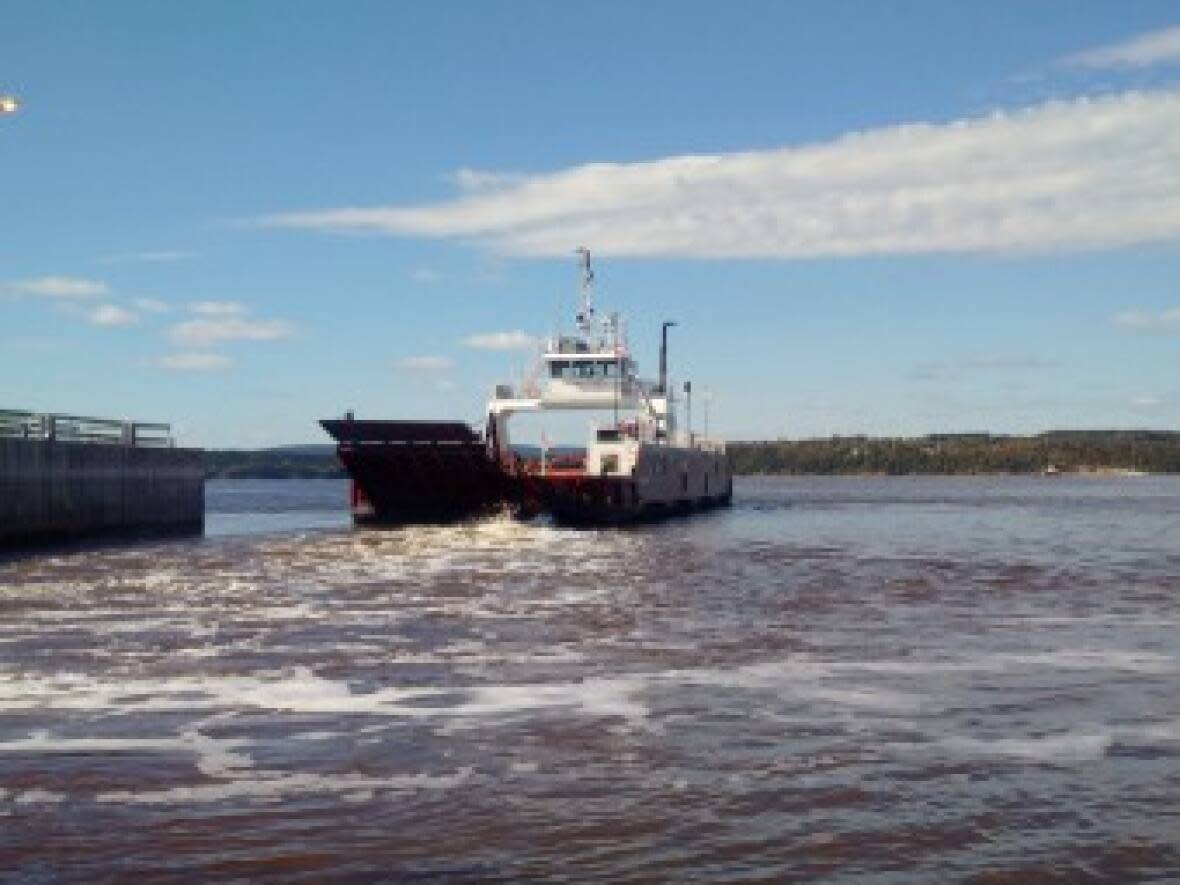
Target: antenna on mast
586,314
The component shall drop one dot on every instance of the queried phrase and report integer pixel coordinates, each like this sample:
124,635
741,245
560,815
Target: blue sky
868,218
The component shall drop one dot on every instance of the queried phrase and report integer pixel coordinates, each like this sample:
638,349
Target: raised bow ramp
418,471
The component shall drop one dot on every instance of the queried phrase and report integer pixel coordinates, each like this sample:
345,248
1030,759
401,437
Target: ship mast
585,316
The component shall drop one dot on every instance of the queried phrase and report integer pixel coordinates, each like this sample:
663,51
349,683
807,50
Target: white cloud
203,332
112,315
425,275
425,364
950,370
1145,403
1159,321
194,361
1155,47
515,340
59,287
151,305
155,257
474,180
1089,172
217,308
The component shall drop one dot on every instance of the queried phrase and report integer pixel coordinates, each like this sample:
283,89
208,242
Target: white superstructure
593,369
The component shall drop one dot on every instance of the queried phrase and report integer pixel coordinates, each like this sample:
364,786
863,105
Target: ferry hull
610,500
426,472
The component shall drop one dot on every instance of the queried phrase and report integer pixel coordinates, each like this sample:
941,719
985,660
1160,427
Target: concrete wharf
69,478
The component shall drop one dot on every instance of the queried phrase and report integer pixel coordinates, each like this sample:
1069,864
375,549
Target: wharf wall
55,491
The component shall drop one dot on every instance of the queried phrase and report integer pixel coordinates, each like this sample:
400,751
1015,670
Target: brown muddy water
841,680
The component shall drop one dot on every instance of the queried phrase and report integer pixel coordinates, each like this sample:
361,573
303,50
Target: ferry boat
640,465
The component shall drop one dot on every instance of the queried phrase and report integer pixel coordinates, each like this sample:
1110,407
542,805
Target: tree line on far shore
1061,450
311,462
1150,451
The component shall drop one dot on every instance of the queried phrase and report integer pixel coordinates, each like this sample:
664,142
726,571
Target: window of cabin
558,368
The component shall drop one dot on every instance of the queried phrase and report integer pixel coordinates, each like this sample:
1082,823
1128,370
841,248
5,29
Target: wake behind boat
641,465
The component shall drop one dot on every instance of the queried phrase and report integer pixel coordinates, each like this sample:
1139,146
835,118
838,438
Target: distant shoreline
1096,453
1059,452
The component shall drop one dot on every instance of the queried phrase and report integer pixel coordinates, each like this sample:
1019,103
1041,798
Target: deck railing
79,428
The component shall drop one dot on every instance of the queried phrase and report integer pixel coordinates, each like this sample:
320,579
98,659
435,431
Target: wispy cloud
150,257
425,364
58,287
194,361
425,275
1149,320
151,305
1145,402
476,180
430,369
954,369
515,340
217,308
204,332
112,315
1082,173
1152,48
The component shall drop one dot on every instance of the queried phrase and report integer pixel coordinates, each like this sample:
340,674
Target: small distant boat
1051,470
642,465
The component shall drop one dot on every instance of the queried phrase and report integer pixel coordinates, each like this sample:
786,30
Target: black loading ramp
418,471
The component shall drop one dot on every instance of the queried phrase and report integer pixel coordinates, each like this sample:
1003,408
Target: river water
845,680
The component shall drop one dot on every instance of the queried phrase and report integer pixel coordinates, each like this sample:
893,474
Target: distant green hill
287,462
1064,450
1152,451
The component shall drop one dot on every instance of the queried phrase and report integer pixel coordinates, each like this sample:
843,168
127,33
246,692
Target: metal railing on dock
79,428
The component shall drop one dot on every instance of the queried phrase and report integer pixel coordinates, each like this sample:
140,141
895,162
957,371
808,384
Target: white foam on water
1128,660
801,678
1071,748
301,611
598,698
38,797
43,742
298,690
70,615
324,735
161,580
276,786
1161,731
908,667
214,757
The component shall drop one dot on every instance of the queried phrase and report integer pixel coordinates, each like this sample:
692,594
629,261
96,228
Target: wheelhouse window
585,369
